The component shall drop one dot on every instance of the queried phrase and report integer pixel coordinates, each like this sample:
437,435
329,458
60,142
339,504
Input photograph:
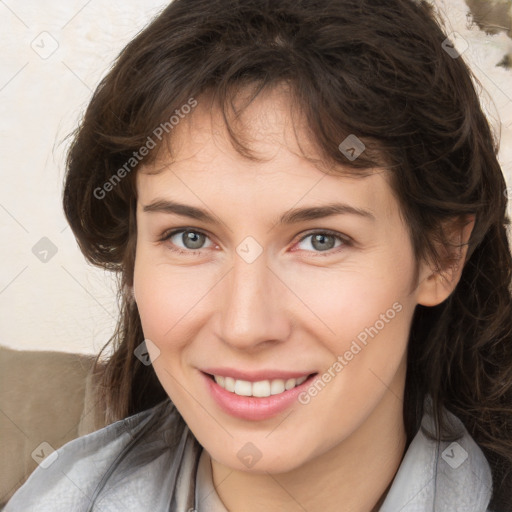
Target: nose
252,310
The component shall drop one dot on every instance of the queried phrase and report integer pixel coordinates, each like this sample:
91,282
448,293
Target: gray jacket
150,462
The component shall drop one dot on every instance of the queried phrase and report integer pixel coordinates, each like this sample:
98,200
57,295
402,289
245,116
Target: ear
436,284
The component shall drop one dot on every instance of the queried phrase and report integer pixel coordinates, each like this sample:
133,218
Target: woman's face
259,284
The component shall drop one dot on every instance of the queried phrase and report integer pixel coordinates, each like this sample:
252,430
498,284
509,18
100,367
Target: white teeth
277,386
229,384
289,384
262,388
243,388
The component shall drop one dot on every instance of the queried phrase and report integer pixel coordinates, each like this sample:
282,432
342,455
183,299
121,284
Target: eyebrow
292,216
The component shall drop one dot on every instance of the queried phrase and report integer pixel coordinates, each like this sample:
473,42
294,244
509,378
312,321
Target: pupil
322,239
192,240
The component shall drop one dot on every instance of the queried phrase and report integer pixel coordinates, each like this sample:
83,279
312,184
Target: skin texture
295,307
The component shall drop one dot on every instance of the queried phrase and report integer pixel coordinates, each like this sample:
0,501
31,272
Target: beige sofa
493,16
45,397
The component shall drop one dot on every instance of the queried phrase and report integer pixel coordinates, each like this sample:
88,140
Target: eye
324,241
192,241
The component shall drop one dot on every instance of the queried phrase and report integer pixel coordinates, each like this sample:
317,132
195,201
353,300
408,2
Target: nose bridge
251,313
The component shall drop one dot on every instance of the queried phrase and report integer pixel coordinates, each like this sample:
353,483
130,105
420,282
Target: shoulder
94,468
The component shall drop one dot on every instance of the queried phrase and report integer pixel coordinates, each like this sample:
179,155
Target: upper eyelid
171,232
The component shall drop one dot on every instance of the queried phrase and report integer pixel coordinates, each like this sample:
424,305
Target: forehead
203,162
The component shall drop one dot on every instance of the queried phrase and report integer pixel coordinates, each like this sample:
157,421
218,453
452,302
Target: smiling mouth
260,389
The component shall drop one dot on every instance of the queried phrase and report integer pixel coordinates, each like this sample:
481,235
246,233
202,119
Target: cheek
362,314
342,303
165,300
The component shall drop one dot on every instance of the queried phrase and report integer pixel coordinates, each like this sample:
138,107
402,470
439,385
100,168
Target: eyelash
346,241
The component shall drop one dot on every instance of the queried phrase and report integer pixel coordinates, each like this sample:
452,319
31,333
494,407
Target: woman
304,206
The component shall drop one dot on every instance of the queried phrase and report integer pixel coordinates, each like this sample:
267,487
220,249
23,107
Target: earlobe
435,284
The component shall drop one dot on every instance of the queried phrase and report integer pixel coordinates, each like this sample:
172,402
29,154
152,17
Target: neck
354,476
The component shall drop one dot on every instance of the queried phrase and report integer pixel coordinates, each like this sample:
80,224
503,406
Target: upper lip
256,375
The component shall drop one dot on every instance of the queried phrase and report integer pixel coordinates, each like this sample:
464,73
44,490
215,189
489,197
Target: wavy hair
377,69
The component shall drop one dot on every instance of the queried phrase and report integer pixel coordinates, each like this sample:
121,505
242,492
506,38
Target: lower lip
254,408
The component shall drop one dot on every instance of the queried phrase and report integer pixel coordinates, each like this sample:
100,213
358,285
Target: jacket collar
441,476
433,476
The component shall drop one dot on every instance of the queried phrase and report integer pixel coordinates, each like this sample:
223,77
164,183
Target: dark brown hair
377,69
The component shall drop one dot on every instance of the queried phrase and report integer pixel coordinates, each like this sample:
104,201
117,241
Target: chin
264,459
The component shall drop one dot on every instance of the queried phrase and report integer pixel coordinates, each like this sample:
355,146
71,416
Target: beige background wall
53,55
